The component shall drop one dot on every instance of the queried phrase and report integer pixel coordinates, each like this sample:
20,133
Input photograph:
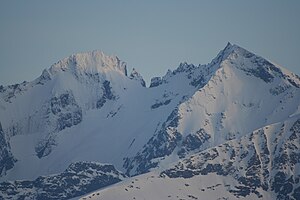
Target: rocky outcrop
6,158
78,179
137,76
257,161
107,94
66,110
161,144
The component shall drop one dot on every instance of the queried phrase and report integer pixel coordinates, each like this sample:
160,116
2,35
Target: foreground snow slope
260,165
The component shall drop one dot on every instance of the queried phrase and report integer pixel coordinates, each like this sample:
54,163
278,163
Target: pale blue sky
151,36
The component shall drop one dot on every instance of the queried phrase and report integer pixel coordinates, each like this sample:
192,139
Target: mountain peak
223,54
253,65
91,62
228,45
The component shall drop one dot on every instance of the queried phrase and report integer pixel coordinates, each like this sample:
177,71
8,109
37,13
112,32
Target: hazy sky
151,36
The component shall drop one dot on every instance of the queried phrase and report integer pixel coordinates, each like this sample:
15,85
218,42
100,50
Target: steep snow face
78,78
261,165
35,114
239,98
89,63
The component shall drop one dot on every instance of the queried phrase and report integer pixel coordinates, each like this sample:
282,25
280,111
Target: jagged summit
197,72
234,56
90,62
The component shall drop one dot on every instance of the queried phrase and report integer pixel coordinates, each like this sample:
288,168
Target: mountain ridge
86,108
93,62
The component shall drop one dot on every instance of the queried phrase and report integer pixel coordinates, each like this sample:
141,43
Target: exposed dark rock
78,179
255,173
159,104
66,109
279,89
44,77
6,158
137,76
67,113
66,120
11,91
44,147
193,141
107,94
263,69
161,144
296,193
262,73
184,67
107,90
198,82
293,83
156,81
296,128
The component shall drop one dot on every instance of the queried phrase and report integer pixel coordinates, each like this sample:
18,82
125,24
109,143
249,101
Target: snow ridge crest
90,62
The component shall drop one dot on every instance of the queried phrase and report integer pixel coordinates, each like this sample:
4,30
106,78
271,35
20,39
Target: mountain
86,109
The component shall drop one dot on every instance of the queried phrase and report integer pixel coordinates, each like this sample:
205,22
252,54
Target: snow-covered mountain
86,109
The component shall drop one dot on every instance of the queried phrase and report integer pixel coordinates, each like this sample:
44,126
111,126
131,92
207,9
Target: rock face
86,108
156,81
107,95
193,141
137,76
68,112
6,158
78,179
161,144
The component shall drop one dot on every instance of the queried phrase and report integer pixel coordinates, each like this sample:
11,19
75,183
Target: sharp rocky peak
229,50
240,56
252,64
